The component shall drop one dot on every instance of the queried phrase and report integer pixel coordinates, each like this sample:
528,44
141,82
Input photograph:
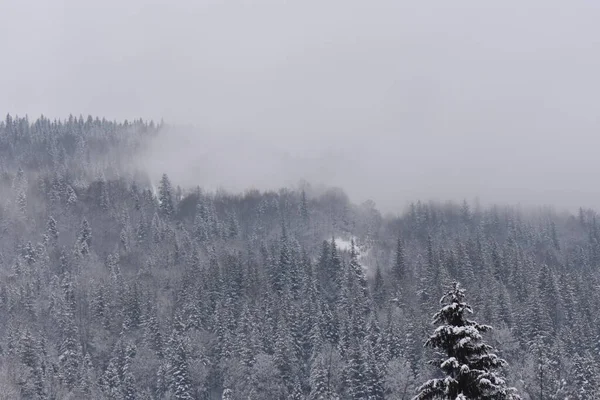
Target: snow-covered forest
115,286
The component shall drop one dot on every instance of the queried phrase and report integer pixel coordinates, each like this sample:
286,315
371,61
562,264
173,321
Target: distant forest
113,286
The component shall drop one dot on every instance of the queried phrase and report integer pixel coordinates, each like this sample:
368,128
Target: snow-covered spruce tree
463,357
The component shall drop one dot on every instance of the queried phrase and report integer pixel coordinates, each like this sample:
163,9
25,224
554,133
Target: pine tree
181,380
282,270
111,381
549,295
319,389
464,358
52,231
70,354
399,268
585,378
20,181
356,375
233,226
430,275
379,292
32,384
71,196
87,381
201,222
227,394
465,212
544,380
85,236
165,196
128,380
361,293
284,351
29,254
304,212
245,347
296,391
374,373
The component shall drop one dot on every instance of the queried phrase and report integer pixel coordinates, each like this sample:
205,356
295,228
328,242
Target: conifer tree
282,269
71,196
32,383
52,230
379,292
85,235
399,268
466,361
22,202
180,374
356,374
227,394
374,374
304,212
319,389
585,378
165,196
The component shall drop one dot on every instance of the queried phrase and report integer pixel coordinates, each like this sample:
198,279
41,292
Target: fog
392,100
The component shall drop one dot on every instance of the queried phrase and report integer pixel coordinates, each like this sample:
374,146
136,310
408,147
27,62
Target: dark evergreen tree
165,197
585,378
319,388
379,287
52,231
399,268
467,362
304,212
356,374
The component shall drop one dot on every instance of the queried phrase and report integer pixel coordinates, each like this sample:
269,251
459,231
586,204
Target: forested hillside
113,286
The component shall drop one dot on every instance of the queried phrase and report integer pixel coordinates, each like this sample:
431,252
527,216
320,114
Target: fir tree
165,196
22,202
71,196
464,358
585,378
319,389
356,376
379,292
304,212
227,394
399,268
180,371
52,231
85,236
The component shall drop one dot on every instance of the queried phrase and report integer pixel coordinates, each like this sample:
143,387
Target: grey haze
391,100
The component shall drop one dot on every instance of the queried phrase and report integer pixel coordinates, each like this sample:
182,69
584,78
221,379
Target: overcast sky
393,100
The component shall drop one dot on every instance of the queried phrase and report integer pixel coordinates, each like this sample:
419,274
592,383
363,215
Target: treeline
112,289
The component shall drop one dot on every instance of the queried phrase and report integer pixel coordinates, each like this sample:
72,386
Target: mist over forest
390,100
117,283
299,200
